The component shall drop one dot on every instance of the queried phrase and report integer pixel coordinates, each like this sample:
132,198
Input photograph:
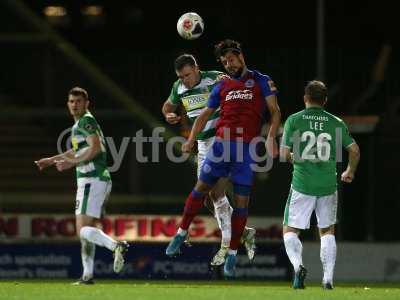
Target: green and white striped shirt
195,100
96,167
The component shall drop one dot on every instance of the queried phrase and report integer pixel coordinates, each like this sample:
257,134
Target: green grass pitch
193,290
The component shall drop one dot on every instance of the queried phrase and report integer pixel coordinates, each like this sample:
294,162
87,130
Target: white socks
223,214
230,252
98,237
87,253
181,231
328,256
294,249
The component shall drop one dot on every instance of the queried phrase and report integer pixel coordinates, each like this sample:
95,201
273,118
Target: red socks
239,220
192,205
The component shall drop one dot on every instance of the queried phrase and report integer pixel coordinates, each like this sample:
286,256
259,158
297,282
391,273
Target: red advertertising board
142,228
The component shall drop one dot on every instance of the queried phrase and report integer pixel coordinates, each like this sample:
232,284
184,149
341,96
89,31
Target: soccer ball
190,26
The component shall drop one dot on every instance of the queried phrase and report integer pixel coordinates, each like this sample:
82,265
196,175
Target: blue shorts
228,159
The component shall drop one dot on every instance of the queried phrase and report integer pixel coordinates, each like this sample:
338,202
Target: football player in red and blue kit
242,100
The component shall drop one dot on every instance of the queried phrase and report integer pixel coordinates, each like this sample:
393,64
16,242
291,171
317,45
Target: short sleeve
173,96
88,126
215,96
287,139
266,84
347,139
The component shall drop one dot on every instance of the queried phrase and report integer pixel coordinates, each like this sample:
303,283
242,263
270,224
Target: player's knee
213,195
242,190
327,230
202,187
78,230
216,194
84,232
287,229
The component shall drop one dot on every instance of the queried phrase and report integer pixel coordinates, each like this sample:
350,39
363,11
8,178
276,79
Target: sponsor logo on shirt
89,127
195,101
239,95
315,118
74,143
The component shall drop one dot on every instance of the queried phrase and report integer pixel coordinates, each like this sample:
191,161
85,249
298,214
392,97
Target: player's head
229,53
187,70
78,101
316,93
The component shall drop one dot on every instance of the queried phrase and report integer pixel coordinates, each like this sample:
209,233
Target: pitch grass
193,290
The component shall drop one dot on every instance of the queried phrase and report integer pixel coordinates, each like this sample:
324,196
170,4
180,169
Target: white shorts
202,147
299,208
91,195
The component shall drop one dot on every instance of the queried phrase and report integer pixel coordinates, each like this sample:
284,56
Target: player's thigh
326,210
241,167
84,220
241,201
298,210
218,190
91,196
214,166
203,146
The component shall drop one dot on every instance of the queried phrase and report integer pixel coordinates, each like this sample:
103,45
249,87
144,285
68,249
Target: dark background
135,44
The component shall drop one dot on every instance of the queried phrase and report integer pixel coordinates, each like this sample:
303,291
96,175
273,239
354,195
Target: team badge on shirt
249,83
89,127
206,168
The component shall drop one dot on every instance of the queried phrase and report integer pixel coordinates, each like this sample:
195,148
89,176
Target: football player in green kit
312,141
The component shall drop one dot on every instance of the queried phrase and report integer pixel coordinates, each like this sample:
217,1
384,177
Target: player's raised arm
168,110
354,158
170,105
201,121
198,126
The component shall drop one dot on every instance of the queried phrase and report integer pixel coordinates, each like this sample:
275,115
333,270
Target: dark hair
184,60
227,45
316,91
78,91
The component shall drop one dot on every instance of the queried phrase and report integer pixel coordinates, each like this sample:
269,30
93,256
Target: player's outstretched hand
172,118
187,147
43,163
63,165
347,176
272,147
